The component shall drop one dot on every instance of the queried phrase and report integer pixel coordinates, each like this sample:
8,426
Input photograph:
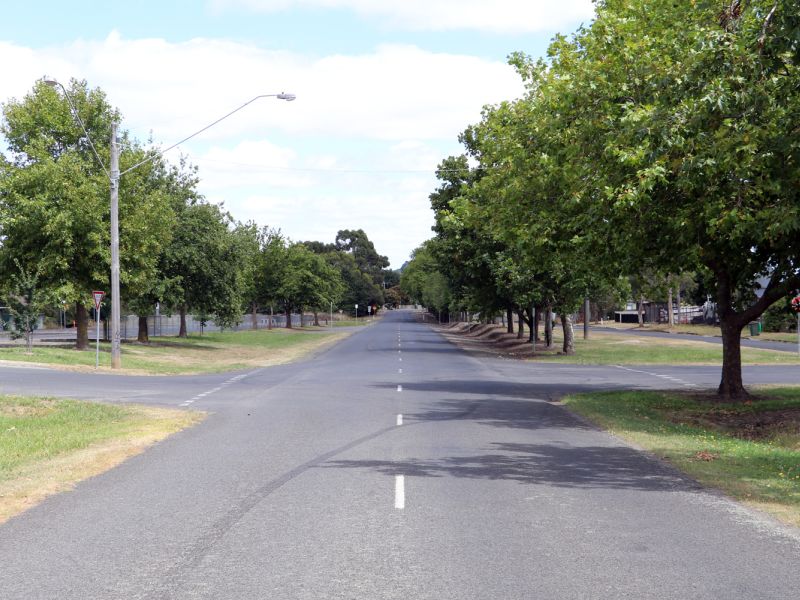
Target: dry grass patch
47,445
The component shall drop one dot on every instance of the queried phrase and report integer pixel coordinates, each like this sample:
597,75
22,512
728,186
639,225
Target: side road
393,466
711,339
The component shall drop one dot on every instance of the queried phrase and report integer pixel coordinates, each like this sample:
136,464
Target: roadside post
356,314
98,299
369,310
796,308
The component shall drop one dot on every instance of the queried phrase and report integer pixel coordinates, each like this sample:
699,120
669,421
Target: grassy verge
750,451
362,321
617,349
209,353
48,445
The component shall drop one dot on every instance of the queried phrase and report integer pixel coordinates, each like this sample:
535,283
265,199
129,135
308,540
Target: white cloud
357,149
496,16
172,89
248,164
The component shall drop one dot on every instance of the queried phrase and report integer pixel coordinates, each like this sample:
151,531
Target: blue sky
384,88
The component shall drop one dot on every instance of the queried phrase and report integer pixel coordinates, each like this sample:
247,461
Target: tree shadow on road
559,465
514,414
508,389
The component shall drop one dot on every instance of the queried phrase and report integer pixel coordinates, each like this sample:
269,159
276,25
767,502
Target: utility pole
116,358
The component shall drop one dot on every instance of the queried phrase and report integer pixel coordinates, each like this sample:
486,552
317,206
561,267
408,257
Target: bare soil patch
491,340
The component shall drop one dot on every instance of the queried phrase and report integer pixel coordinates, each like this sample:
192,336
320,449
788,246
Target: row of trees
176,249
660,139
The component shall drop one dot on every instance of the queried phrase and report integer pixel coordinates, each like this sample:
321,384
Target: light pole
114,177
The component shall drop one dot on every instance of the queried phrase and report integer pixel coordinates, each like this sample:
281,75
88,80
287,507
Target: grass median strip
750,451
47,445
209,353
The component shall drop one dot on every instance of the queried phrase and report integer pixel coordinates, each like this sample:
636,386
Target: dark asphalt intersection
391,466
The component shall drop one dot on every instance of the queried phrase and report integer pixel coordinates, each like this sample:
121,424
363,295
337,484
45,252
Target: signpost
98,299
356,314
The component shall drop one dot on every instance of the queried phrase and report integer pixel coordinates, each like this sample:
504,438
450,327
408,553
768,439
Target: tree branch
763,37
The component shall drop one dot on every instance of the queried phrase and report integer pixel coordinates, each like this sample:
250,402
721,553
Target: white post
97,340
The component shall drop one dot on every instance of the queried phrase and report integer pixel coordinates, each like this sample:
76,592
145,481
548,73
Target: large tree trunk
670,315
82,327
316,318
182,331
731,387
530,320
678,302
288,318
143,337
520,325
537,319
569,334
510,320
254,314
548,326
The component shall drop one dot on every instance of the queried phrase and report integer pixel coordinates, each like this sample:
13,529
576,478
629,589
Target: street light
113,175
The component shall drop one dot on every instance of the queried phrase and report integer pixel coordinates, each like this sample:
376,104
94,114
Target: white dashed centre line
399,420
399,388
399,370
219,388
399,492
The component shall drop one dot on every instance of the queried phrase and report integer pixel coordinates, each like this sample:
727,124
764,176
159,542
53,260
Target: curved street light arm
282,96
53,83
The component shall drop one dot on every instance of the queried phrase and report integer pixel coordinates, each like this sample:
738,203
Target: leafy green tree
270,266
423,281
25,302
205,260
689,120
55,194
54,198
308,282
356,243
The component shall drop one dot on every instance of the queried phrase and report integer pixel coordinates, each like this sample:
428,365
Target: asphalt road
392,466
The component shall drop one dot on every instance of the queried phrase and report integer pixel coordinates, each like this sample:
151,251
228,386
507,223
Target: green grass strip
35,429
709,441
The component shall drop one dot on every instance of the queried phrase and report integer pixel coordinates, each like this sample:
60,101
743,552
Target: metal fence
161,325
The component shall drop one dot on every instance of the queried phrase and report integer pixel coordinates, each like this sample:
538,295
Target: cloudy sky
383,89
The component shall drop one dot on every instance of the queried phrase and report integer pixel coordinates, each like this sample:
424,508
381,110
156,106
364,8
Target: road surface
392,466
